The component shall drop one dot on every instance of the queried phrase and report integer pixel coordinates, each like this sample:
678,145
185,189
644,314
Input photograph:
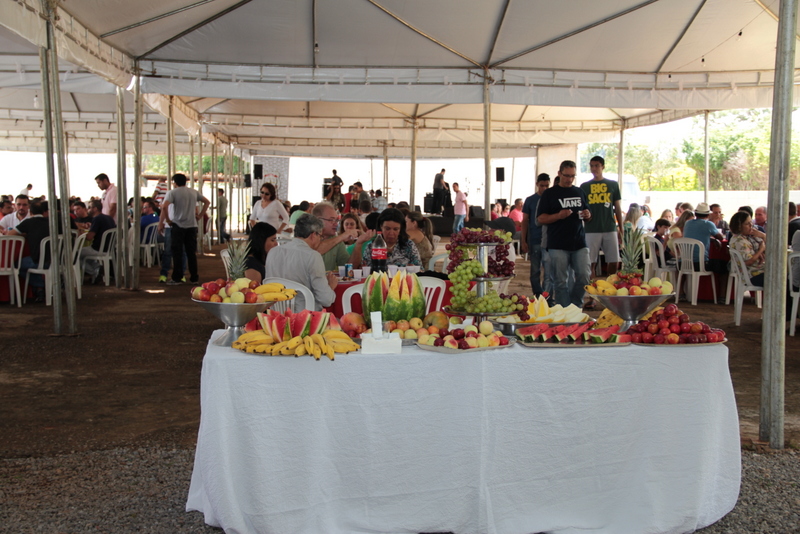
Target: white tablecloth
616,440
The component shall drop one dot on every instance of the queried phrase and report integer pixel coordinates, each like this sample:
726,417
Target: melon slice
319,322
279,328
550,332
564,334
577,334
333,323
530,333
602,335
300,324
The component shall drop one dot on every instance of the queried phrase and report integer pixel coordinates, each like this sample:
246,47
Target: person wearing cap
702,229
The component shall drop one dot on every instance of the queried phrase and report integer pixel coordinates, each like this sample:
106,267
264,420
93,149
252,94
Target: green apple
237,298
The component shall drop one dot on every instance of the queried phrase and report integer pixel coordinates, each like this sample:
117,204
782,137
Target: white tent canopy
351,77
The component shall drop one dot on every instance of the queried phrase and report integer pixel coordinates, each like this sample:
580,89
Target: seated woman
676,230
263,238
662,227
400,250
420,231
351,221
741,228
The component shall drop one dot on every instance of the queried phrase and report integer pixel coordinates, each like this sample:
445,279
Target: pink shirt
109,197
516,216
460,206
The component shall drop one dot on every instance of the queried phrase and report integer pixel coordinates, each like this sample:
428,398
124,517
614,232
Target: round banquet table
336,307
509,441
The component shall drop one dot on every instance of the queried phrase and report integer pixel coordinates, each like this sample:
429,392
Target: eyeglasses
265,193
567,175
329,219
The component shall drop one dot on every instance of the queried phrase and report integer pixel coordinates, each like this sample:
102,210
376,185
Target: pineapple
237,261
631,253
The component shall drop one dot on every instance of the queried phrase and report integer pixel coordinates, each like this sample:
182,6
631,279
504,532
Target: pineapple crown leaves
237,262
632,248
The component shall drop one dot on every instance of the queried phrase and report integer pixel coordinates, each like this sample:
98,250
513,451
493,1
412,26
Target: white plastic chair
436,240
47,272
794,262
647,259
207,234
108,249
308,296
149,245
347,297
438,257
75,262
733,278
657,257
11,247
434,289
685,246
226,259
742,284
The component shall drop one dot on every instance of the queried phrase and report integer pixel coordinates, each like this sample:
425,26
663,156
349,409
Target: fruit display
549,335
628,280
539,311
469,337
296,334
241,290
671,326
609,318
470,260
398,298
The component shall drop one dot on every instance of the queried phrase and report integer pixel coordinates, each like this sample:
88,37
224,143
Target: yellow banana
344,346
300,350
317,351
602,284
335,334
287,350
255,334
309,343
295,341
264,348
329,351
277,348
319,340
590,289
272,287
274,296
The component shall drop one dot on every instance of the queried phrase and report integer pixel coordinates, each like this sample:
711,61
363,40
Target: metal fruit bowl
631,308
235,316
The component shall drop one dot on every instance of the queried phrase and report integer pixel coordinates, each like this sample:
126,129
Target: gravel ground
144,490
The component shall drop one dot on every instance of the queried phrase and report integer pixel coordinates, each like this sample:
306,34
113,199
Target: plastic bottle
379,254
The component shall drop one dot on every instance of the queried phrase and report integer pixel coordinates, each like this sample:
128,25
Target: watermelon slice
266,322
300,324
319,322
550,332
279,325
577,334
333,323
620,338
529,334
602,335
564,334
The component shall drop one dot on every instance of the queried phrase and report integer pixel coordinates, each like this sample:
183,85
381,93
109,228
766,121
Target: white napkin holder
380,342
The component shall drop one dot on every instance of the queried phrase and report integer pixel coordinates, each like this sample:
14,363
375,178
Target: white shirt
274,214
25,192
10,221
300,263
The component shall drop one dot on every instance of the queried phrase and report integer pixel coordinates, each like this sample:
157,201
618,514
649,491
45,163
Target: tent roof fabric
365,71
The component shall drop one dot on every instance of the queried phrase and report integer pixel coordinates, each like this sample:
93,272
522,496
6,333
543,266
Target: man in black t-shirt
35,229
563,208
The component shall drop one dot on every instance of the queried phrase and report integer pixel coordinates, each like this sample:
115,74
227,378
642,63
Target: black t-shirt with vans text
564,234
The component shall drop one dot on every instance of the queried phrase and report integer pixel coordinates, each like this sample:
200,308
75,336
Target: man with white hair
299,261
332,247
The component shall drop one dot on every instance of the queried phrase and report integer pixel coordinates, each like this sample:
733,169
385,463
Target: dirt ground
131,377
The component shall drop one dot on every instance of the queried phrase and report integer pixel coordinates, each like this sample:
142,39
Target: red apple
659,339
462,344
251,297
654,291
212,287
438,342
673,319
706,328
636,338
653,328
673,339
220,282
254,284
663,323
636,281
684,317
686,328
693,339
703,338
675,328
472,333
664,331
503,341
697,328
458,333
670,310
215,298
647,337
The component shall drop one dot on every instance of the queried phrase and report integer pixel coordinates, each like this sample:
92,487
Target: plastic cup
356,274
412,269
392,270
365,271
342,271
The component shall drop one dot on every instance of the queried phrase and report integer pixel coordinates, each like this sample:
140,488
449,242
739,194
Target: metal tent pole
706,159
191,161
621,157
413,163
137,165
51,180
773,347
123,228
61,154
170,145
487,146
386,169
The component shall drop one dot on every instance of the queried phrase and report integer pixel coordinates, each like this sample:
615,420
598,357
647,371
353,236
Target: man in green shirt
602,231
305,207
333,250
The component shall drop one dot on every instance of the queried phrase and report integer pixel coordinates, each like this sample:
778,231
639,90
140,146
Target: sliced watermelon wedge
550,332
564,334
577,334
318,323
529,334
620,338
300,323
333,323
602,335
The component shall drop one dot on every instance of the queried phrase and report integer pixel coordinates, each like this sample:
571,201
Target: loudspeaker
248,182
258,172
500,173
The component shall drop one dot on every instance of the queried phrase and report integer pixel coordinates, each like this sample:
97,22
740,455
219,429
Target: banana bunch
316,345
255,342
601,287
275,292
340,341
